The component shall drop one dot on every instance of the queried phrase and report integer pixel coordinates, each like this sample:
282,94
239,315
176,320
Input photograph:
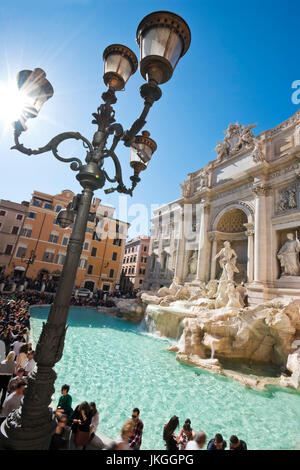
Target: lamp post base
13,436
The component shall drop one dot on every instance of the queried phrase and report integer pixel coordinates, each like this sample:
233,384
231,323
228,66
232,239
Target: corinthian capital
261,190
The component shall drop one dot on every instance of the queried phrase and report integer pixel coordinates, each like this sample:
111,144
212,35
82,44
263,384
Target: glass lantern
141,151
36,90
163,38
119,64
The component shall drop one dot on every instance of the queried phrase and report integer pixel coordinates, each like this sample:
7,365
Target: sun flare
12,102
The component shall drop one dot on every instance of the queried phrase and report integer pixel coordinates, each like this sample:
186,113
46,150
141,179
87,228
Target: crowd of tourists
16,353
77,429
43,289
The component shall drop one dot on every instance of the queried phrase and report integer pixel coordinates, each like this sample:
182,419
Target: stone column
213,240
250,253
180,261
204,245
260,237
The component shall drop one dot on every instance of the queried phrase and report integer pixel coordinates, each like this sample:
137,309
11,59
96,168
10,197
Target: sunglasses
134,416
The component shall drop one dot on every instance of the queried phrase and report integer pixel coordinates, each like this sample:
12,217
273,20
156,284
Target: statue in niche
227,262
288,256
193,263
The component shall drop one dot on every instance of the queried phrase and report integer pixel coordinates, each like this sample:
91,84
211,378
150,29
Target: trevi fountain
223,275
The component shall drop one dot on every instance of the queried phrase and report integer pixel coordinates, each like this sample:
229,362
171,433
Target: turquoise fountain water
113,363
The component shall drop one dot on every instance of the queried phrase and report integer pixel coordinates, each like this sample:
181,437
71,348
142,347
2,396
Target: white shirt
11,403
30,366
192,445
16,346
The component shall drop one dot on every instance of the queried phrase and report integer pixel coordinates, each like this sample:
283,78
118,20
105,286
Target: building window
89,230
117,241
26,232
37,203
111,272
60,258
141,280
114,256
53,238
32,215
82,263
48,257
145,248
21,252
91,217
86,246
48,206
58,208
90,269
94,251
8,249
19,217
2,212
65,241
15,230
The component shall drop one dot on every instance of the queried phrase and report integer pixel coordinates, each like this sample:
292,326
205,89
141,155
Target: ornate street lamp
163,39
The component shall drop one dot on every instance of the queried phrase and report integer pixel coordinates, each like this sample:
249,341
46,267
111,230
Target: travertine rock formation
130,309
221,327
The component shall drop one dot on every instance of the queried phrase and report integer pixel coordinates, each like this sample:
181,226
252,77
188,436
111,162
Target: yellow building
107,251
44,240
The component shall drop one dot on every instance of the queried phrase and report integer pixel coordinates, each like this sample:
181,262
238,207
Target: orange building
12,217
106,251
42,237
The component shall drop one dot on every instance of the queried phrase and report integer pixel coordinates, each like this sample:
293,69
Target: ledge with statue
213,324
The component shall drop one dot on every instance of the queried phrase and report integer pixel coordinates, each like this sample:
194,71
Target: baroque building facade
40,237
12,216
134,263
250,196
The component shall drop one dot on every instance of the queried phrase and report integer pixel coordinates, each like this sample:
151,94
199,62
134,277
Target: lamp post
29,261
163,38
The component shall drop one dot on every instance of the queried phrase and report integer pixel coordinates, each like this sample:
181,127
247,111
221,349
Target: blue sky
240,67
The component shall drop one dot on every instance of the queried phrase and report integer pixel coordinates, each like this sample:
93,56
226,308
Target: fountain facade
248,196
216,324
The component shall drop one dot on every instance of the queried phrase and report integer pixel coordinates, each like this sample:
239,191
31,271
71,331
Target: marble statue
227,262
187,188
193,263
234,298
222,296
288,256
